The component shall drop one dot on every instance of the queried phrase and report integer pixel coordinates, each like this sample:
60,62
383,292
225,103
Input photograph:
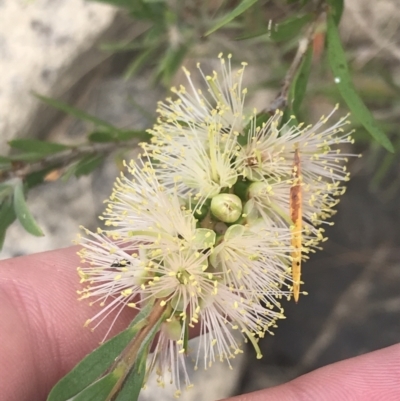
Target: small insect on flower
121,263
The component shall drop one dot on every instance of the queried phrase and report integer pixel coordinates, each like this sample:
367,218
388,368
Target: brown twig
281,99
21,169
127,358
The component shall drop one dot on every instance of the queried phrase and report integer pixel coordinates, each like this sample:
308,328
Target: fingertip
46,320
370,377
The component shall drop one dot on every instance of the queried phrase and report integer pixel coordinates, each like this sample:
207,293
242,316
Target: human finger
42,335
371,377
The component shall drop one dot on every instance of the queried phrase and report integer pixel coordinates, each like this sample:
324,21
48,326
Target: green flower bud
250,212
204,238
259,189
226,207
236,230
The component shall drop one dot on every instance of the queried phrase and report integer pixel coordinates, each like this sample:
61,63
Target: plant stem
127,358
21,169
281,99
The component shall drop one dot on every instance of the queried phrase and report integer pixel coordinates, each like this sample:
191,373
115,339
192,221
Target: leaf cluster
33,162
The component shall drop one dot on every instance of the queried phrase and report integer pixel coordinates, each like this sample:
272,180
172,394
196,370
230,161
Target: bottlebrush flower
213,145
195,166
157,249
288,175
215,220
193,110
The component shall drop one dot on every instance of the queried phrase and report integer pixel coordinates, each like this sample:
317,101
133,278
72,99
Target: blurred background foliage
296,41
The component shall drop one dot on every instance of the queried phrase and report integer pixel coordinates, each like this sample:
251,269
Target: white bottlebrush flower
192,165
214,224
141,207
262,154
270,150
269,199
253,260
193,109
154,252
321,167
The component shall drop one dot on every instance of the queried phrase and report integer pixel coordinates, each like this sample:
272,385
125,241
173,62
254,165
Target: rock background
51,46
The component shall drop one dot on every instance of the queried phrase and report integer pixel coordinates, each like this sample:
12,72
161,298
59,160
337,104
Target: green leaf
99,390
7,217
118,136
26,157
118,3
97,362
170,63
5,191
36,146
101,137
340,70
87,164
129,135
299,84
336,9
36,178
282,31
139,61
134,381
77,113
240,9
186,335
121,46
24,215
4,159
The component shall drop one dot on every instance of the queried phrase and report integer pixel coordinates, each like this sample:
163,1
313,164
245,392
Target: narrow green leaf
101,137
117,3
23,213
282,31
134,381
36,178
75,112
97,362
170,63
240,9
340,70
139,61
69,172
5,191
7,217
298,2
299,85
186,335
336,10
26,157
86,165
121,46
118,136
99,390
128,135
4,159
37,146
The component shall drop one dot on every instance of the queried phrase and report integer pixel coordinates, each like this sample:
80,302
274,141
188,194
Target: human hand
41,339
